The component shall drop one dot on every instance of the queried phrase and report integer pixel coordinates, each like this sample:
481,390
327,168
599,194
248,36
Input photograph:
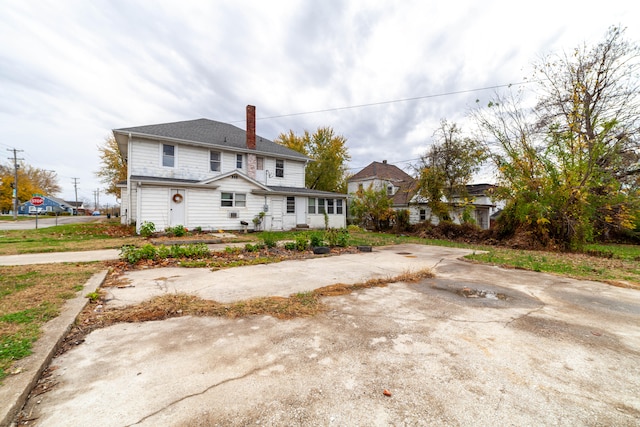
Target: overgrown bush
337,237
179,231
402,221
147,228
270,240
290,246
302,242
316,239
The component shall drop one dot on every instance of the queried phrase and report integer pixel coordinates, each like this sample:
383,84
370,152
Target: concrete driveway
476,345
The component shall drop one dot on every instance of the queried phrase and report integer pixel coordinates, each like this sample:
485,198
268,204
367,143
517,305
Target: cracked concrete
556,351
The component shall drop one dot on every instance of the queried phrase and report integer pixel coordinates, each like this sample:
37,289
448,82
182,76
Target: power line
371,104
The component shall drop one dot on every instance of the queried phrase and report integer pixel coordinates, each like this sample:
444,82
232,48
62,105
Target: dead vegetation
304,304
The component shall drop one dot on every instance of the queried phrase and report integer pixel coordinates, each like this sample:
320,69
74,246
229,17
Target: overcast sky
70,71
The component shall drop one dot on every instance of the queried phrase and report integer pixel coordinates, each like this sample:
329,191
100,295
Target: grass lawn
29,297
69,237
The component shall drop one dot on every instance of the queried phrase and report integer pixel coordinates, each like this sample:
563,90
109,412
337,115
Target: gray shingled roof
210,132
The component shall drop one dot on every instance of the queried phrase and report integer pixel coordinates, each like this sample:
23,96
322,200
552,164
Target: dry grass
303,304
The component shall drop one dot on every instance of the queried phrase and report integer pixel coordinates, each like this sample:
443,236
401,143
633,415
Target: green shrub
337,237
147,229
302,242
233,250
290,246
316,239
270,240
179,230
133,254
251,248
352,228
197,229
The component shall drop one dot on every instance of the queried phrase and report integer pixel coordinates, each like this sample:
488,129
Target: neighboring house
51,204
398,184
77,207
402,187
204,173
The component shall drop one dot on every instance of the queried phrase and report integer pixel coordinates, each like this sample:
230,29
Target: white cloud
71,71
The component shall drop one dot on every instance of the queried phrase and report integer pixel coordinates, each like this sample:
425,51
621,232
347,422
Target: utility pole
15,180
75,187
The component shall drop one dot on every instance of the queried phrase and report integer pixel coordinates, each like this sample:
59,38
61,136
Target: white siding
154,206
293,173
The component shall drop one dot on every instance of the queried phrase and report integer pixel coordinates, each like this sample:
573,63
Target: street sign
36,201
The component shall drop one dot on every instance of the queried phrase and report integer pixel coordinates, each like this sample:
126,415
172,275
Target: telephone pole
15,180
75,187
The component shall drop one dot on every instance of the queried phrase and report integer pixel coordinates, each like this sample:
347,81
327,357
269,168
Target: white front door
177,204
301,210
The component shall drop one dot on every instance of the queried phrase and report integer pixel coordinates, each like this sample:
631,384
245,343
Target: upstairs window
215,161
280,168
260,163
389,190
239,161
168,155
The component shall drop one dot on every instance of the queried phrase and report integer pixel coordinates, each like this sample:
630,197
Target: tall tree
329,153
373,208
31,181
114,167
570,164
448,166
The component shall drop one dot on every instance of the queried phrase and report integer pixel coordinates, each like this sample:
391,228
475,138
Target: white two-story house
213,175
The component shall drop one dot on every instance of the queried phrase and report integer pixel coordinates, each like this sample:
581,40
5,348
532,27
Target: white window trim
276,168
219,161
234,199
244,161
175,156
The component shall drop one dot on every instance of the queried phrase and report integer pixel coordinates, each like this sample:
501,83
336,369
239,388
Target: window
239,161
389,190
321,206
423,214
330,206
339,206
260,163
214,158
280,168
361,187
312,205
168,155
227,199
291,205
233,199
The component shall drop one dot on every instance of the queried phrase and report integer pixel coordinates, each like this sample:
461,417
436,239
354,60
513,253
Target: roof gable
382,171
207,132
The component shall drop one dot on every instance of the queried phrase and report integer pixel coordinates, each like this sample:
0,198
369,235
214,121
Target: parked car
96,213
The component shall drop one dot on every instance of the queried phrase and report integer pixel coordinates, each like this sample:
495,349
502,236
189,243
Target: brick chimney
251,127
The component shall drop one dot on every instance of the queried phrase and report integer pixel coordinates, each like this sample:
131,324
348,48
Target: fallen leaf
386,392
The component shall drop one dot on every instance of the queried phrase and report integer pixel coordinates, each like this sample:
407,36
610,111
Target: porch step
302,225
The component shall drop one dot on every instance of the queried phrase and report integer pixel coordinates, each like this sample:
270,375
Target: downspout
129,207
